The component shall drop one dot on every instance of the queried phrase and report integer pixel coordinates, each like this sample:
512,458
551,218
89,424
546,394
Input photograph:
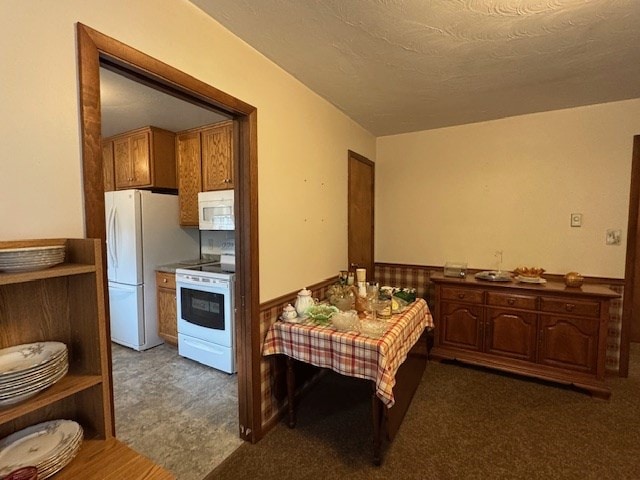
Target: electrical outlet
614,237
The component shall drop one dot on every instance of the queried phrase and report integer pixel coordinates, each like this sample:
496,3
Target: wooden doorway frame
632,263
96,49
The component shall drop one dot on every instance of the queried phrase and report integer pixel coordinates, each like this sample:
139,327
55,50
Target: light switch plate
576,219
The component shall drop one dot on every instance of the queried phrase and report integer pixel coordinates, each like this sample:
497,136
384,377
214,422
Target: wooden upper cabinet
205,162
217,157
145,158
189,176
108,166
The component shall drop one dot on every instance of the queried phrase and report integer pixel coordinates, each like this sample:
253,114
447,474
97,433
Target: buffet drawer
462,294
570,306
526,302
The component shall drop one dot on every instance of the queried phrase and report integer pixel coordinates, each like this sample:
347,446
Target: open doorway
159,395
96,49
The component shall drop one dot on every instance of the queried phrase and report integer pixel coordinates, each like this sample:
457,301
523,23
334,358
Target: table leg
376,411
291,392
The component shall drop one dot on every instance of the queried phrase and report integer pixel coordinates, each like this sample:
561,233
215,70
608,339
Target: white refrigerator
142,233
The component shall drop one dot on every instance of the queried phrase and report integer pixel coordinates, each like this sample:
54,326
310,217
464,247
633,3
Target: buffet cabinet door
511,334
461,326
568,343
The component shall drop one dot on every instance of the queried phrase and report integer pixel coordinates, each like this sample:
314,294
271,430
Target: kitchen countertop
171,267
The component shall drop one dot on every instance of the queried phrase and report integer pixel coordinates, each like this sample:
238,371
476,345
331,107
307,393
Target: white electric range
206,311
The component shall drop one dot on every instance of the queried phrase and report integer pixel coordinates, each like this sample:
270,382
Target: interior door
361,213
631,299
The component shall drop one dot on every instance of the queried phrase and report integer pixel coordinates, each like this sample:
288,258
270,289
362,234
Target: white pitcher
303,302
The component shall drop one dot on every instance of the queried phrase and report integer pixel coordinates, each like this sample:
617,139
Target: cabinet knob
511,301
164,280
569,307
461,296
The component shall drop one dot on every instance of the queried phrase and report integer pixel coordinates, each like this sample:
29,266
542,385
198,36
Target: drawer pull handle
461,296
511,301
569,307
164,280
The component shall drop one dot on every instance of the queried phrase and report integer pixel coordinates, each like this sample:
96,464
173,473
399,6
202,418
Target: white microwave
215,210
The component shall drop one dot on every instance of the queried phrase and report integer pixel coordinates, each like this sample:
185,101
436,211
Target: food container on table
321,314
346,321
289,312
383,308
373,327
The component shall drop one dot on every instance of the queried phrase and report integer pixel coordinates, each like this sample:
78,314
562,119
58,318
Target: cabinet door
189,177
167,315
217,157
568,343
510,333
132,161
122,163
140,160
107,167
461,326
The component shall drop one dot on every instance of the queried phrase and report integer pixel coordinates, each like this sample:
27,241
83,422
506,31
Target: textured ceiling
126,105
405,65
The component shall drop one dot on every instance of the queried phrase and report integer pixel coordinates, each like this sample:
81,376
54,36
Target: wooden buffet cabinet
205,163
66,303
167,307
549,331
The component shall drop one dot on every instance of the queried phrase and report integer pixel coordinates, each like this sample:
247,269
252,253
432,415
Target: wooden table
394,363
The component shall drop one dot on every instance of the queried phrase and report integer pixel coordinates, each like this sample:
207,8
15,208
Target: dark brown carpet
463,423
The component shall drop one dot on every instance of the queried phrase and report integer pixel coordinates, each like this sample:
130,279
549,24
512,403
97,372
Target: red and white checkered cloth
353,354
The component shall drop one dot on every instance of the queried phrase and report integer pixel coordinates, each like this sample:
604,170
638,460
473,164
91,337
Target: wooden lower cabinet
569,343
545,331
167,307
461,326
510,334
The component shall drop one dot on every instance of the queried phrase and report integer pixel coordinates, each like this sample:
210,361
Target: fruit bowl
528,272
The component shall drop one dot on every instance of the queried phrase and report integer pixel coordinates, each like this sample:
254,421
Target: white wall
462,193
302,139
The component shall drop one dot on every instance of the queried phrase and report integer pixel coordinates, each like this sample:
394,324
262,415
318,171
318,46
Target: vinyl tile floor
177,412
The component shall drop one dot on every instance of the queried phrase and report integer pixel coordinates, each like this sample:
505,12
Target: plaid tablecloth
353,354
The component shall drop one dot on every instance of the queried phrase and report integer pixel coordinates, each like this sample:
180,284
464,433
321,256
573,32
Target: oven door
205,312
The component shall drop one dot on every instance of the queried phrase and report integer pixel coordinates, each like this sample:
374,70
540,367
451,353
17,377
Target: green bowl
321,313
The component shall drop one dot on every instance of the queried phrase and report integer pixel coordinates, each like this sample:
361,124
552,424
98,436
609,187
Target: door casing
361,208
96,49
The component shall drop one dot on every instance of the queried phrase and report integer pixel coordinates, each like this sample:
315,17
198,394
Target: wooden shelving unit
66,303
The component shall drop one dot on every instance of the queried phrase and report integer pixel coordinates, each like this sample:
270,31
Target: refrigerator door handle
111,237
109,234
114,233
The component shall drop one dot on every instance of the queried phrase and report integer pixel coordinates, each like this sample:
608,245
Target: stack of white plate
30,368
30,258
49,446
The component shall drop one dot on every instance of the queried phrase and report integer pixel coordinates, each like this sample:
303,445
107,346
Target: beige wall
302,139
462,193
